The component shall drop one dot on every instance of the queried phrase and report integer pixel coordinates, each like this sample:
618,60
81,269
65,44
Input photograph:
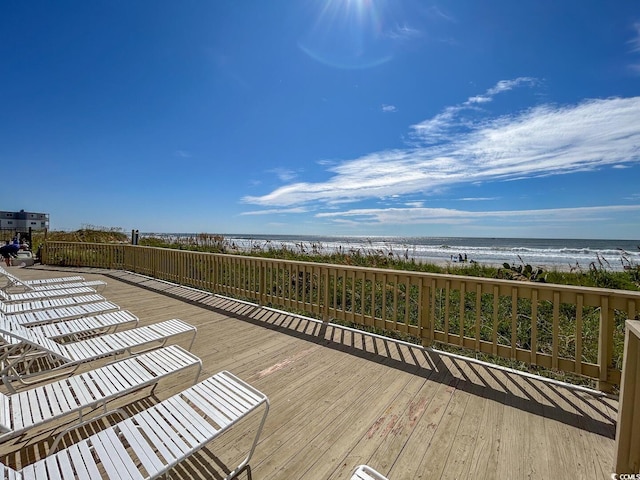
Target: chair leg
244,463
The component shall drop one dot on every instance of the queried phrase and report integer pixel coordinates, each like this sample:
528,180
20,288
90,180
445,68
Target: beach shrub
521,272
89,234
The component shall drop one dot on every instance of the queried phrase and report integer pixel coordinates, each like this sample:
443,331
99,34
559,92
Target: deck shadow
536,395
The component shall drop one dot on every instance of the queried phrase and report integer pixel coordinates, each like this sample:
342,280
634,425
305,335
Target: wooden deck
339,399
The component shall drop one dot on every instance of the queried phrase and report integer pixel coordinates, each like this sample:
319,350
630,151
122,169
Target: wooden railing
627,458
571,329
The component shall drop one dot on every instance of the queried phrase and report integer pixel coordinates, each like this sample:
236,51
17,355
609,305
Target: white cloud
438,128
276,211
477,199
479,99
446,125
395,216
544,140
635,48
500,87
403,32
389,108
284,174
635,41
506,85
436,12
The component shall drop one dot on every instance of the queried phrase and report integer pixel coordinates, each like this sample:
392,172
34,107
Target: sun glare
348,34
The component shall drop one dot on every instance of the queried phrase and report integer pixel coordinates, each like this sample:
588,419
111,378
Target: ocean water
563,254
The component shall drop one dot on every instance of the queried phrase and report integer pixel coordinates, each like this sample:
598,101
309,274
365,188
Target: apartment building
23,221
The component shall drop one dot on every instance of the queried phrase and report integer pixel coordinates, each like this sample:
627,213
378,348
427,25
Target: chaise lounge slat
50,303
50,315
53,281
44,295
95,284
105,322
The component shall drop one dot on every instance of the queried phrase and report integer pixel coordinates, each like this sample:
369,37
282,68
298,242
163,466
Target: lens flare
348,34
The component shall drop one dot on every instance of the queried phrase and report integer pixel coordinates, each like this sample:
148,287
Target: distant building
23,221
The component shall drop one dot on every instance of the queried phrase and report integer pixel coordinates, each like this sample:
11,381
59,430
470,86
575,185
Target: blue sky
347,117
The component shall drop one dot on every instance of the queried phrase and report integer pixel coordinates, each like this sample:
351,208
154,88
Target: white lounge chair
57,314
16,285
53,281
149,444
24,348
44,295
74,330
44,281
365,472
27,410
108,322
49,303
97,285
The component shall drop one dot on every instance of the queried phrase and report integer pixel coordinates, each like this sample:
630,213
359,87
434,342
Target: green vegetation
522,272
89,233
200,243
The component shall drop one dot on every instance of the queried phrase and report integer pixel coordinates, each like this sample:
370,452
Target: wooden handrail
578,330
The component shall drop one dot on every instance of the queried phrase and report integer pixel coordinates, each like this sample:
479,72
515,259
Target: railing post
44,253
324,273
214,274
262,274
627,454
426,311
605,345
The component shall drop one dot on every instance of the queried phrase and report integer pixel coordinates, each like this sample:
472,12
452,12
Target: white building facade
23,221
